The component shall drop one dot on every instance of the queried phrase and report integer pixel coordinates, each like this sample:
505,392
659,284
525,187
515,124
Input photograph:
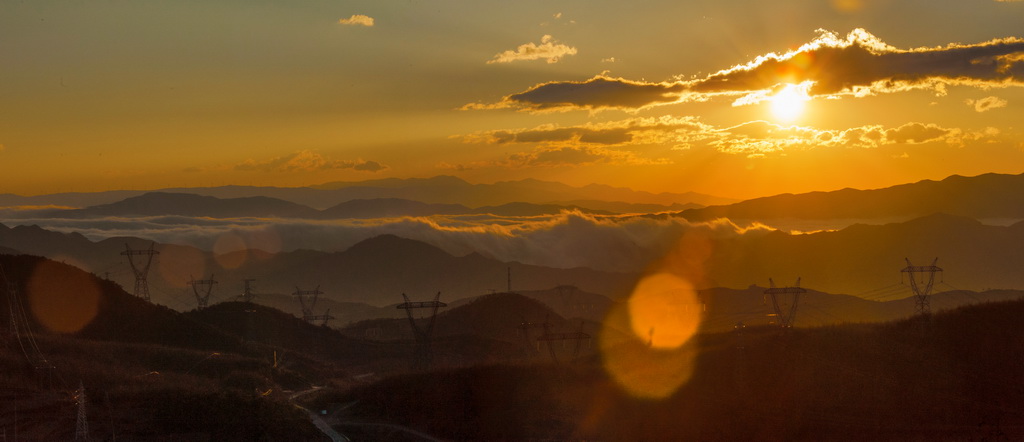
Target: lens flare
230,251
664,310
62,298
179,264
647,342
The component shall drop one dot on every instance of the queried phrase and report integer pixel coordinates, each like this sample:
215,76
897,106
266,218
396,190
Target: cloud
755,138
357,20
568,240
548,50
616,133
599,92
306,161
986,104
829,66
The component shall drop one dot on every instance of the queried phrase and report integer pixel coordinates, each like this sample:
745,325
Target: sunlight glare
788,104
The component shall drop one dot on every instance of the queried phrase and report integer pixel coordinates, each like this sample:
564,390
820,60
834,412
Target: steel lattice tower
81,424
203,299
309,304
578,336
922,306
140,271
247,293
786,319
422,356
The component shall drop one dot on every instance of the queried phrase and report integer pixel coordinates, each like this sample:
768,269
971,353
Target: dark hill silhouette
277,329
851,382
496,316
378,270
984,196
76,302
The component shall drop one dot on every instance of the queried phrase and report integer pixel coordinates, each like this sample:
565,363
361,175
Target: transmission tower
422,356
922,306
141,270
21,331
309,304
524,328
81,424
785,319
247,294
202,289
549,337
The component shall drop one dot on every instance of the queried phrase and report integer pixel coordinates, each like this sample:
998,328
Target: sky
733,98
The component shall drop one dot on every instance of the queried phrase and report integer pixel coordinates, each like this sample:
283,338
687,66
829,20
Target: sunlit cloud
357,20
987,103
830,66
567,240
665,129
752,138
307,161
548,50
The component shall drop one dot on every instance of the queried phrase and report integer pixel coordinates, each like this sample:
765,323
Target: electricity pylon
81,424
247,294
578,336
422,356
140,271
524,328
202,294
309,304
785,319
922,306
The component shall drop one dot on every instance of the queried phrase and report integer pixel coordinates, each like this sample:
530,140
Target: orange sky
658,96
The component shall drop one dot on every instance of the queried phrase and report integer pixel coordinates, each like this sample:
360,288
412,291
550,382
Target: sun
788,103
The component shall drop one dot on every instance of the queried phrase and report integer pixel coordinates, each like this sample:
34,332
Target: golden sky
736,98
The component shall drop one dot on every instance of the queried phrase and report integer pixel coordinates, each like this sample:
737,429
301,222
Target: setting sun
788,104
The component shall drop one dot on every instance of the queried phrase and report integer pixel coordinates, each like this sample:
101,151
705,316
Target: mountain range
864,260
192,205
436,190
987,196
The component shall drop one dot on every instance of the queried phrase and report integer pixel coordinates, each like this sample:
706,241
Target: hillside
852,382
149,373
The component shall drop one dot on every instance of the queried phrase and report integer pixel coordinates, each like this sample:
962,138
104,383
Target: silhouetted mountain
623,207
184,204
378,270
390,207
862,258
984,196
528,209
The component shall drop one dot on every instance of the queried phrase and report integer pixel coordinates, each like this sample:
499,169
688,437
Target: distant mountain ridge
191,205
984,196
436,190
